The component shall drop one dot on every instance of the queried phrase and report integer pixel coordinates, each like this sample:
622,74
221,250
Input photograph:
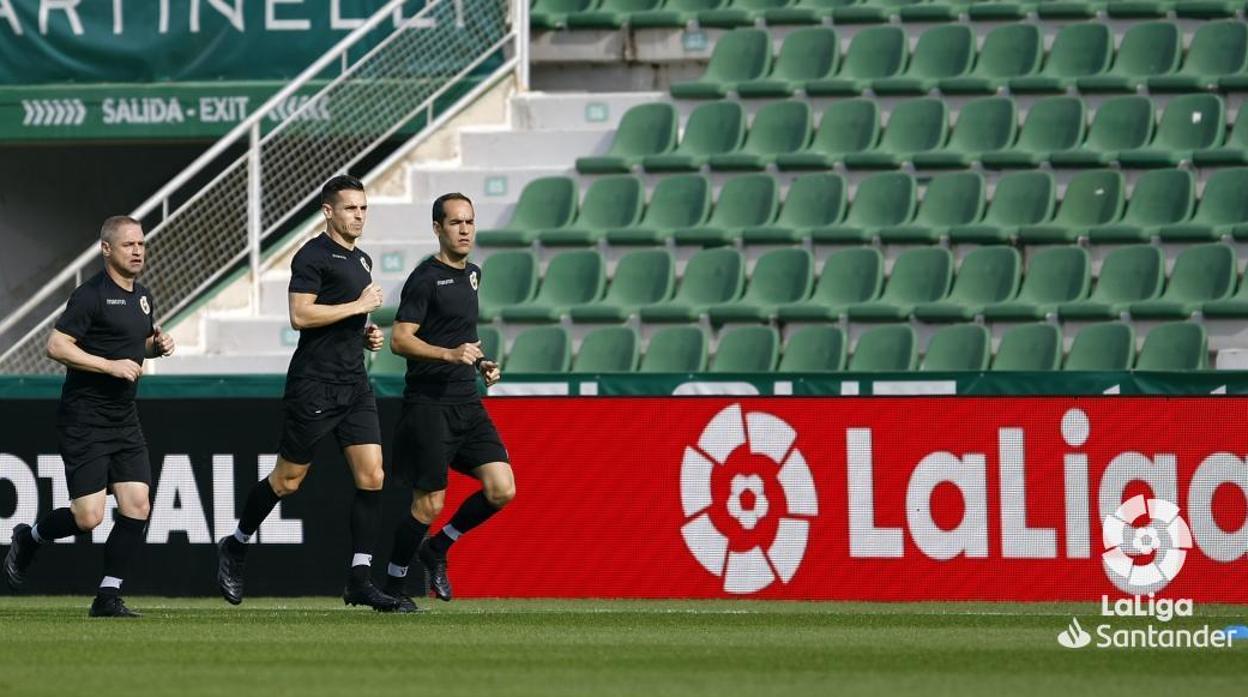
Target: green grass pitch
315,646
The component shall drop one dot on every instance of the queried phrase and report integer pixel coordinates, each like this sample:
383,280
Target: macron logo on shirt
446,281
115,301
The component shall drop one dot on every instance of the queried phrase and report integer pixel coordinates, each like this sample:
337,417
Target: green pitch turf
309,647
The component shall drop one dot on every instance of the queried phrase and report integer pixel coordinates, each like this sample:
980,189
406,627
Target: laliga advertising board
869,499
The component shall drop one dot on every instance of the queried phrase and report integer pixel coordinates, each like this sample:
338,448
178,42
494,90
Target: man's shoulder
312,249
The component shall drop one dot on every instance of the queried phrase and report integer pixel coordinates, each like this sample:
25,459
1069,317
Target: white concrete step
500,147
413,221
250,335
274,293
485,184
218,364
556,111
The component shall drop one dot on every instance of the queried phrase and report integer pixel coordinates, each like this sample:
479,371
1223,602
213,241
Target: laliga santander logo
1164,534
731,485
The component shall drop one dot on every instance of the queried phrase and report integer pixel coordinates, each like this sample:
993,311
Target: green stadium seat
953,198
988,275
714,128
553,14
920,275
739,55
1000,10
847,126
546,203
891,348
883,200
491,343
1055,275
384,316
712,277
1034,347
678,202
746,201
778,128
508,278
870,11
1175,346
1147,50
1092,198
747,350
675,350
1218,50
1138,8
1161,197
673,14
804,12
385,362
916,125
810,53
1190,122
1021,198
984,125
612,202
1009,51
941,53
873,53
1079,50
934,11
1223,210
646,129
572,278
780,277
1104,346
641,278
958,347
1233,152
608,350
1235,307
814,349
1202,273
739,13
813,201
1069,9
1120,124
850,276
1206,9
540,350
1128,274
611,14
1053,124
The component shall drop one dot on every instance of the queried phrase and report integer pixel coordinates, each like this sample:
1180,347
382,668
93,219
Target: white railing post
254,193
521,30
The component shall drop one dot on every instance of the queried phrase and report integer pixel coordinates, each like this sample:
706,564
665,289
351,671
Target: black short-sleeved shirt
111,322
336,275
443,301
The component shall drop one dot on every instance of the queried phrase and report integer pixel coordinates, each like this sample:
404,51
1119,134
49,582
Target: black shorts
430,437
311,409
96,457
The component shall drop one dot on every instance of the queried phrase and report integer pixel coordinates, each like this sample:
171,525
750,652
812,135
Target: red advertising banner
866,499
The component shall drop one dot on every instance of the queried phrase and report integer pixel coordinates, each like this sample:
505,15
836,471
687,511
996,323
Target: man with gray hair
103,336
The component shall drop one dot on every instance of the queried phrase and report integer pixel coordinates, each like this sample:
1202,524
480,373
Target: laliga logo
1164,533
756,568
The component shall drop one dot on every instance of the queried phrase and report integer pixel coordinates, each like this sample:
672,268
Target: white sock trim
242,536
450,531
111,582
34,534
396,571
362,560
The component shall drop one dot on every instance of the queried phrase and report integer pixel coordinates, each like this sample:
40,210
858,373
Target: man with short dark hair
103,336
331,293
443,422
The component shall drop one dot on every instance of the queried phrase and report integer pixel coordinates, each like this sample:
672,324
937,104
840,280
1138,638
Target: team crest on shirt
472,280
364,263
147,309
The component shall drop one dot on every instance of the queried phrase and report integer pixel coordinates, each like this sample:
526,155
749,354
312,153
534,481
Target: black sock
475,510
407,535
261,501
365,521
122,547
55,525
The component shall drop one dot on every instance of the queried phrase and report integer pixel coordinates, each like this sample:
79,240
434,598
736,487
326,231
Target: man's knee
139,509
370,480
88,518
286,481
500,493
426,508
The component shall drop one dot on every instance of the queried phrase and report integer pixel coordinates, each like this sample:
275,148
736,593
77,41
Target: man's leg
83,515
426,507
123,545
498,488
263,497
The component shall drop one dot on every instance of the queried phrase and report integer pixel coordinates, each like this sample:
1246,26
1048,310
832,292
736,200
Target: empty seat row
823,348
641,14
885,208
1124,130
989,283
945,58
